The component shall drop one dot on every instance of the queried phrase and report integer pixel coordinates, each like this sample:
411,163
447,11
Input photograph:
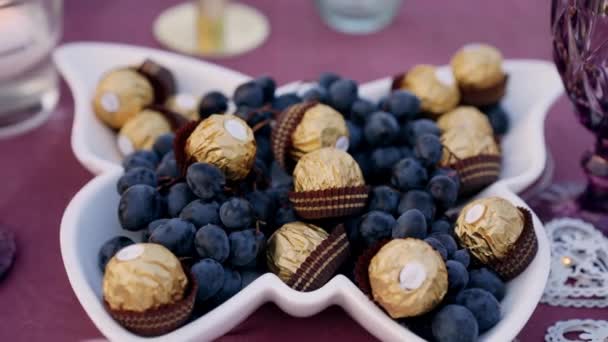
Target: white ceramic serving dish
83,64
90,218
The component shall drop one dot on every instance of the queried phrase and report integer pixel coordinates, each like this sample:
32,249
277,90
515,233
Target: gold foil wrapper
184,104
465,117
141,131
120,95
408,277
438,92
321,126
478,66
290,245
489,227
326,168
225,141
143,276
464,143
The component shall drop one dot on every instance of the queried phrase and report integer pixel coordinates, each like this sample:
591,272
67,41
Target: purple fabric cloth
40,173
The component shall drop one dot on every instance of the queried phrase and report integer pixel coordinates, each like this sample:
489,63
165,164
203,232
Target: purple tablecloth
40,174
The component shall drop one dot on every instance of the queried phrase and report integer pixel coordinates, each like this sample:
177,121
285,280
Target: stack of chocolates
308,185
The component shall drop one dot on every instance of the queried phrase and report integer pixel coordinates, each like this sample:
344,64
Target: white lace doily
579,265
578,330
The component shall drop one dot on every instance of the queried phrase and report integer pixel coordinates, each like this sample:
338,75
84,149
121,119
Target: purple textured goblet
580,51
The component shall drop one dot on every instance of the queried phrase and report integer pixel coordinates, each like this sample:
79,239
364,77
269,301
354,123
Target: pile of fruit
222,198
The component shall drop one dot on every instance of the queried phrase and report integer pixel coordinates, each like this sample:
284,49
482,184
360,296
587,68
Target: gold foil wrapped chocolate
467,117
478,66
489,227
141,131
120,95
184,104
464,143
225,141
408,277
436,89
143,276
321,126
326,168
290,245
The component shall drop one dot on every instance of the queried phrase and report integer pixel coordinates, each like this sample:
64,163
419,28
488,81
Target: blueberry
209,275
326,79
268,86
382,103
360,110
410,224
462,256
236,214
280,178
136,175
177,235
444,190
163,144
403,104
243,247
418,199
419,127
140,158
200,213
280,195
281,102
139,205
249,276
212,242
365,164
168,167
233,283
498,119
448,241
409,174
376,226
284,215
436,244
428,149
316,94
264,149
485,279
405,152
351,227
384,198
205,180
458,277
442,226
381,128
355,134
111,247
213,102
449,173
383,159
262,205
483,305
341,94
151,226
455,323
178,198
249,94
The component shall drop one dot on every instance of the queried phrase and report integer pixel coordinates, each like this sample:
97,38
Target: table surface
41,174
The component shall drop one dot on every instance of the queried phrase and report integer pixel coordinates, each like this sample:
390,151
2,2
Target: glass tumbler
358,16
29,30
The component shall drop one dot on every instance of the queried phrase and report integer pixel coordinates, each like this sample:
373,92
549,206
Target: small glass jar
358,16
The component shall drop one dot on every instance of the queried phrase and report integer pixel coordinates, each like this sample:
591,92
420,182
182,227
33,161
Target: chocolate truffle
467,117
225,141
120,95
408,278
435,88
185,105
479,74
141,131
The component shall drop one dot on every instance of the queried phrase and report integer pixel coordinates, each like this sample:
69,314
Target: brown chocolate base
285,125
176,121
160,78
521,255
322,263
477,172
362,268
484,97
398,81
336,202
158,321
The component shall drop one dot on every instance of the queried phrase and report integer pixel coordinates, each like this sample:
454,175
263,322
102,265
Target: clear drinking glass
358,16
29,30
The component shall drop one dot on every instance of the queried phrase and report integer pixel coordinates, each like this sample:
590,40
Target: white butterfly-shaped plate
90,219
